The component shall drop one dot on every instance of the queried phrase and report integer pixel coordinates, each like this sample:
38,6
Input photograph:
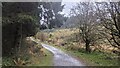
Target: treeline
50,16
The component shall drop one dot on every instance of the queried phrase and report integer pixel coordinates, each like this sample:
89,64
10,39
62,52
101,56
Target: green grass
96,58
7,61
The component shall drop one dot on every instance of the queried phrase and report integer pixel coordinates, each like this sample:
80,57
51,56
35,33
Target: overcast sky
70,3
67,7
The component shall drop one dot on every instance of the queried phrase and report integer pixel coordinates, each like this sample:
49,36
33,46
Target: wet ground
61,58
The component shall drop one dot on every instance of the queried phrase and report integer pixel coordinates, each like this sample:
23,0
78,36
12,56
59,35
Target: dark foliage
19,21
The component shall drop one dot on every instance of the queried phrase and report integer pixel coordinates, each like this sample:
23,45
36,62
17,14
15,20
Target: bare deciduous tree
86,15
109,15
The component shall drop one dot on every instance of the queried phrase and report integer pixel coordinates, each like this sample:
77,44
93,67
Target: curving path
61,58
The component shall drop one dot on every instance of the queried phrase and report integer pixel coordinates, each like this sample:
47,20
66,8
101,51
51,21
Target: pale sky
67,7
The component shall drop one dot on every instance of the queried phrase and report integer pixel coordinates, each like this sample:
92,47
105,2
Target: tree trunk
87,47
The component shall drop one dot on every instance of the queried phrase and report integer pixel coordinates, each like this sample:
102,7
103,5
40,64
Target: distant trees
69,22
50,14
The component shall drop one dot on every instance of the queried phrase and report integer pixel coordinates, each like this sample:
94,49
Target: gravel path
61,58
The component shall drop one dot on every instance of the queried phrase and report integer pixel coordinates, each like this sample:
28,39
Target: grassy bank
42,61
95,58
47,60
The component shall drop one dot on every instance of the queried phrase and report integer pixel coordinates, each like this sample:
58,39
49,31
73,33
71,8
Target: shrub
41,36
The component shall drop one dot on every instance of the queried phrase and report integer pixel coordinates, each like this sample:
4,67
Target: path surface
61,58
